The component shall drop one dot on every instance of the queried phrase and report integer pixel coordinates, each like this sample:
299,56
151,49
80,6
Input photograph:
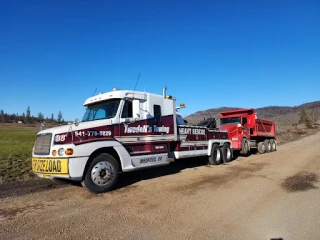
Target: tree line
28,118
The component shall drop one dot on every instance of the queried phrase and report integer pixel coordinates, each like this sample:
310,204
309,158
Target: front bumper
67,168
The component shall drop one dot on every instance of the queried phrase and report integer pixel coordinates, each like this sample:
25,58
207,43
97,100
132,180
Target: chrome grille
43,142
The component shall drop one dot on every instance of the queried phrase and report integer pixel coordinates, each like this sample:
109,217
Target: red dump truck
247,132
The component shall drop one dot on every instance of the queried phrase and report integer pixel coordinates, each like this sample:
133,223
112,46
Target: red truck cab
247,132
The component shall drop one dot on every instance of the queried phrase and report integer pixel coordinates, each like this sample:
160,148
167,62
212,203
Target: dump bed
263,128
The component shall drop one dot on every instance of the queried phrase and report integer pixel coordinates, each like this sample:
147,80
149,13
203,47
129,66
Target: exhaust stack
164,91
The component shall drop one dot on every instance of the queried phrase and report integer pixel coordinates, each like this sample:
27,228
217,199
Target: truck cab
238,124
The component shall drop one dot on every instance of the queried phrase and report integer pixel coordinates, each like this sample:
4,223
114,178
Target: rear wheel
215,158
102,174
267,145
226,153
273,145
261,147
245,146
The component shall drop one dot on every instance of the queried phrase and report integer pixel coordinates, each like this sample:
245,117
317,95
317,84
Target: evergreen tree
2,117
28,114
52,118
23,118
40,116
13,118
59,118
304,119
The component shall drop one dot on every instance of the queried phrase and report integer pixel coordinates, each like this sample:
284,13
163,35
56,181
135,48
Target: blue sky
54,54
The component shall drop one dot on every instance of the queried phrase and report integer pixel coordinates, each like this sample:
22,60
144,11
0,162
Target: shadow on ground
10,189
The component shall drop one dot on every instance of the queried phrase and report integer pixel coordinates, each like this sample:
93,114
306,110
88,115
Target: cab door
245,127
134,130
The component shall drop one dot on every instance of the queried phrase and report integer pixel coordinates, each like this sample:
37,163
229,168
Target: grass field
16,143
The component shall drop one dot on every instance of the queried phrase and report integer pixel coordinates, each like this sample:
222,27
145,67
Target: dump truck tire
245,147
261,147
273,145
267,145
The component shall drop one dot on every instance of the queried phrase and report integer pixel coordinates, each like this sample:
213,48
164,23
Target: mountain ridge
283,116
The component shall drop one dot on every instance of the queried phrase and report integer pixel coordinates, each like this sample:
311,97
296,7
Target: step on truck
247,132
123,131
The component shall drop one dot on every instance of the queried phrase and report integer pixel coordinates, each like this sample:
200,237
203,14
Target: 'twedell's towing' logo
146,129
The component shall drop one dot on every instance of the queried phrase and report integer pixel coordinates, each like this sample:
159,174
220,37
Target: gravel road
268,196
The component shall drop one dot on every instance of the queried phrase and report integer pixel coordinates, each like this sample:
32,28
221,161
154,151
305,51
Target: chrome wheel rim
228,153
102,173
246,146
218,155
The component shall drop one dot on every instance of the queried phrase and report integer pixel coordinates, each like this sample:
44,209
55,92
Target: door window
127,110
157,113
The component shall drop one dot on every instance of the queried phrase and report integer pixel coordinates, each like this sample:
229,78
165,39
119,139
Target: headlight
61,151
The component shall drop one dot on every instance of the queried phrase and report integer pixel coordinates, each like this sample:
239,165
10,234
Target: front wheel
245,147
102,174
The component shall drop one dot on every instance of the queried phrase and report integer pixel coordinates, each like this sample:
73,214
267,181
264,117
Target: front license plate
46,165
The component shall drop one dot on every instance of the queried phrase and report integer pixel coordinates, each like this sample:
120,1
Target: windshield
230,120
179,118
102,110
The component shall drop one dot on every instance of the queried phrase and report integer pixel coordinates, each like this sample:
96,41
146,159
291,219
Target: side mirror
76,122
136,109
239,126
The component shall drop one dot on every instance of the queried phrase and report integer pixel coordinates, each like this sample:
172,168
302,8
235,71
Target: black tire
216,156
267,144
261,147
226,153
273,145
245,147
102,174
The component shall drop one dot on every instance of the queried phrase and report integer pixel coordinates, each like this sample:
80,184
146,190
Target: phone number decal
92,133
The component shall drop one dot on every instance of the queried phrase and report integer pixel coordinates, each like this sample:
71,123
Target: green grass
16,143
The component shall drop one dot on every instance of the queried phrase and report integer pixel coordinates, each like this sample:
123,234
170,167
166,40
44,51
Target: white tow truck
123,131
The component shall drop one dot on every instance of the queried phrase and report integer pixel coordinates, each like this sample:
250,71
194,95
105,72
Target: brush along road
274,195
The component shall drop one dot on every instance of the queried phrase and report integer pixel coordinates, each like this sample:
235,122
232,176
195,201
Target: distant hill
284,117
